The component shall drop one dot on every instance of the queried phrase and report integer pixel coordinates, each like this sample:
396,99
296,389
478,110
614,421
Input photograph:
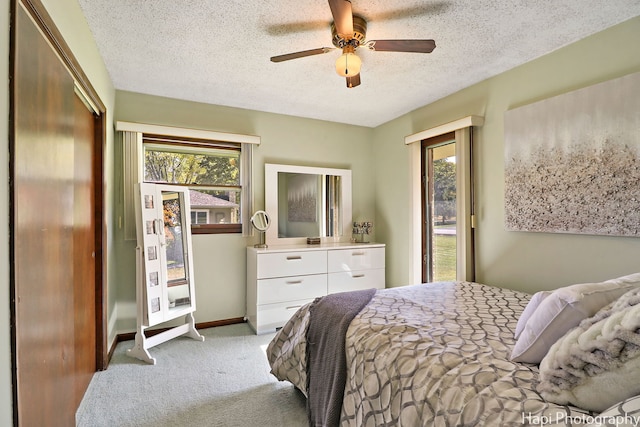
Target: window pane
187,166
199,217
215,206
442,213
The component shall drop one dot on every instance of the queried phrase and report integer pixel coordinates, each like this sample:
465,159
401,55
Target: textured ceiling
218,52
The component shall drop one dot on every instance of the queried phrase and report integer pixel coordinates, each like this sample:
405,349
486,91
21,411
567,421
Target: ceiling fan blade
342,17
353,81
301,54
418,46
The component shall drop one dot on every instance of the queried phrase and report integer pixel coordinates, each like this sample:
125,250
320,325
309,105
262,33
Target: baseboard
128,336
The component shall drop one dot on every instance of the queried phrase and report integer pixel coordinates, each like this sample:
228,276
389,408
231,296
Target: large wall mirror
307,202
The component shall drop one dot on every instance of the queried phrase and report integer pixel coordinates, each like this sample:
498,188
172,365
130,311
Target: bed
421,355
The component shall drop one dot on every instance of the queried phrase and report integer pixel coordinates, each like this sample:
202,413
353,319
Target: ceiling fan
348,33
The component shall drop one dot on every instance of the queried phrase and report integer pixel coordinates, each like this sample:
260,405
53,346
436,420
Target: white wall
220,260
5,336
526,261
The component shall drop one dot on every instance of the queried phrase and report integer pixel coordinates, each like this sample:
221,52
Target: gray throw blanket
329,319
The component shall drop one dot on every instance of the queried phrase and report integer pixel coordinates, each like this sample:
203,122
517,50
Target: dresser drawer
355,259
281,264
274,316
356,280
291,288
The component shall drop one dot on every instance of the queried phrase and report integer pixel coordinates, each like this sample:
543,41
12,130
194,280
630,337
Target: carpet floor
223,381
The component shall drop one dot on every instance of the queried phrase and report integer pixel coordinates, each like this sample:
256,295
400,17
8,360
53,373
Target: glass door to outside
439,209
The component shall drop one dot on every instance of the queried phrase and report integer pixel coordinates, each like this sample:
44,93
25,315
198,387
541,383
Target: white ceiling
218,52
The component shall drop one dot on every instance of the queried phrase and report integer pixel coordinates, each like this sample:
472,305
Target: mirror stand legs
140,350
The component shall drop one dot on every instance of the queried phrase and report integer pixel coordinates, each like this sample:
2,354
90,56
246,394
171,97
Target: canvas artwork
572,162
302,195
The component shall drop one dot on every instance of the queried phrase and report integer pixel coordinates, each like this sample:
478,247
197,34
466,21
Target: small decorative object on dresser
281,279
360,229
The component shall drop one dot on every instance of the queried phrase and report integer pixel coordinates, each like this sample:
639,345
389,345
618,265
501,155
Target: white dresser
280,279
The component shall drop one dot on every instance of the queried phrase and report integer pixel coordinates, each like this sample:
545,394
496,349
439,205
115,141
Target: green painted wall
220,260
525,261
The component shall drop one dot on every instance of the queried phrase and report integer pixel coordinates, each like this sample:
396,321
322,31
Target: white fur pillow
564,309
598,363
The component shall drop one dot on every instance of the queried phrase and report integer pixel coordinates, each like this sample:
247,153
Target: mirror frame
266,218
271,171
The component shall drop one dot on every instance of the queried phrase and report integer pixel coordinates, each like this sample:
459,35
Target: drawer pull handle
358,253
293,282
294,258
357,276
293,307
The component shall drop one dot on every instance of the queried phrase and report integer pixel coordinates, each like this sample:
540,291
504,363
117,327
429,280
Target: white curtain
464,200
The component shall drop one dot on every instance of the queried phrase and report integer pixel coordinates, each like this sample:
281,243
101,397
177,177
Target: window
212,164
199,217
210,169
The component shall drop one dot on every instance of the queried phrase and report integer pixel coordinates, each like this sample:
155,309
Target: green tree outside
444,174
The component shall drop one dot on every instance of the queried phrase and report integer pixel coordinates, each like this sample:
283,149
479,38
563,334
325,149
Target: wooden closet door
84,254
54,241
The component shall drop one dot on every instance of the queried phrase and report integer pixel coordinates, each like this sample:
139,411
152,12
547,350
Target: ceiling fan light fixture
348,64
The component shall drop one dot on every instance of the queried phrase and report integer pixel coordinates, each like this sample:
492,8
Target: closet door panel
44,231
84,249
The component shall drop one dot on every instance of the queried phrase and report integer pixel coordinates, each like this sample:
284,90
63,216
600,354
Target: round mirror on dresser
261,222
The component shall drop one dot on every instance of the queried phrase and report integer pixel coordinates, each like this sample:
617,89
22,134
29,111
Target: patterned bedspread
431,355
